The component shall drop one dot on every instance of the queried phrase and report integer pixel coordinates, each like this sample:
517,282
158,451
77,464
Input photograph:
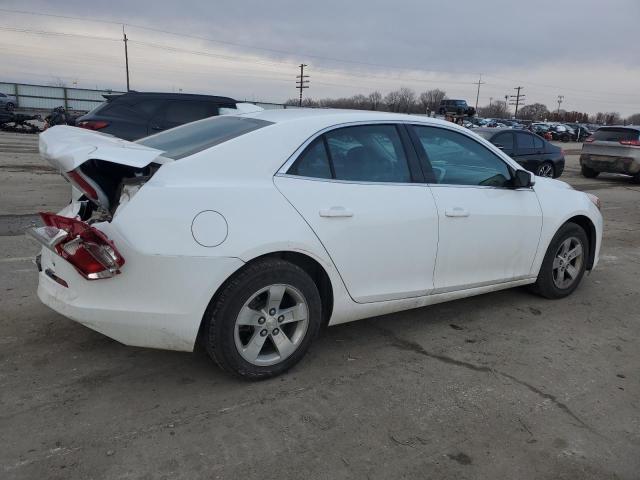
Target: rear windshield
194,137
615,134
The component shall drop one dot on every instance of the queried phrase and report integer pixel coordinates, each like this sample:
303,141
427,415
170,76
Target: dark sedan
528,149
134,115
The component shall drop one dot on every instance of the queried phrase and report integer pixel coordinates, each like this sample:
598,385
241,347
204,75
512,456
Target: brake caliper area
89,250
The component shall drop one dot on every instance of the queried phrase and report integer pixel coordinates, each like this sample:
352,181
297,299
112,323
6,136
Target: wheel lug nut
275,331
281,318
263,333
272,311
261,320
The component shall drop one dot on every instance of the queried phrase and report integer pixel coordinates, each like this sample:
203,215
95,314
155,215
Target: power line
302,82
516,100
480,82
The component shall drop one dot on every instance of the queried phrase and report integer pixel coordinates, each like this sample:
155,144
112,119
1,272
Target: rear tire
9,107
242,329
589,172
564,263
546,169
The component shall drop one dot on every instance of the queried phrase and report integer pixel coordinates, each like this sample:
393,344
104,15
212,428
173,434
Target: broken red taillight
92,124
89,250
80,181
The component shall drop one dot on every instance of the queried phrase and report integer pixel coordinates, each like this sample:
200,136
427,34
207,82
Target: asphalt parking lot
505,385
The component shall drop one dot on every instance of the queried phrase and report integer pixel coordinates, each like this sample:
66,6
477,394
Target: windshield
194,137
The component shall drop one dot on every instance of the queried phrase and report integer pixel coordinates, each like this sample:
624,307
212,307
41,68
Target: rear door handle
334,212
456,212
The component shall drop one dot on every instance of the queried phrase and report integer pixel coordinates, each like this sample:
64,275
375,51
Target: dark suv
134,115
456,107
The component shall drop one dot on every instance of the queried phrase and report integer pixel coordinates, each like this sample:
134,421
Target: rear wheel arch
311,266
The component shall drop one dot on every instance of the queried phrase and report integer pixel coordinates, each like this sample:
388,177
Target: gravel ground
505,385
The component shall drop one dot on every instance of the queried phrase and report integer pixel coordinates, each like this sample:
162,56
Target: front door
489,232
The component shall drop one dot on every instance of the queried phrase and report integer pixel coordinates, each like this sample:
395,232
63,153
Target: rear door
526,153
359,189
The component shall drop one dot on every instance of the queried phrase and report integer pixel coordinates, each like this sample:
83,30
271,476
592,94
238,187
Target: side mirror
501,147
523,179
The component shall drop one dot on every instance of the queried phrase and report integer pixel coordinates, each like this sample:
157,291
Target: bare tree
375,100
497,109
535,111
392,101
407,100
634,119
430,99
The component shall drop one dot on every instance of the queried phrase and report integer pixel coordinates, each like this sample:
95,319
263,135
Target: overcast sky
586,50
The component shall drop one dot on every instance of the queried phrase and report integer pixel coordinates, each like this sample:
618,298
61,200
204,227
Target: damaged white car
249,232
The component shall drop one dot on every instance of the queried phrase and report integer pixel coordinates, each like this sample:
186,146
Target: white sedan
249,232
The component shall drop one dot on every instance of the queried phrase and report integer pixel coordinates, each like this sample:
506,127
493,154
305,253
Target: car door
358,187
527,154
489,232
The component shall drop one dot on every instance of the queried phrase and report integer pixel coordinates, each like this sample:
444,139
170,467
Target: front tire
264,320
589,172
564,263
9,107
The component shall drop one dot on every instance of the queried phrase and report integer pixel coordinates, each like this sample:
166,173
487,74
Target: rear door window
538,143
370,153
525,143
314,161
194,137
504,141
365,153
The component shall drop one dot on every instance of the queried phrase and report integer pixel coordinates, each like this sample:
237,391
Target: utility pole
480,82
518,99
126,55
560,100
490,100
301,82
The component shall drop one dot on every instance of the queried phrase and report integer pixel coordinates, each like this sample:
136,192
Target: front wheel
264,320
564,263
546,169
589,172
9,107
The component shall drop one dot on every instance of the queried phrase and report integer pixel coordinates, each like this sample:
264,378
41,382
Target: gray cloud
552,45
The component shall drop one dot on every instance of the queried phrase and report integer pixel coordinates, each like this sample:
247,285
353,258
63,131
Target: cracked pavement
505,385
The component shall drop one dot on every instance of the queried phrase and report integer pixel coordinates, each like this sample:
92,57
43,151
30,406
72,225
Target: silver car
7,102
614,149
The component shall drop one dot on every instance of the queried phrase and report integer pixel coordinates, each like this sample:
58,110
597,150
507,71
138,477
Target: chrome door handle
456,212
334,212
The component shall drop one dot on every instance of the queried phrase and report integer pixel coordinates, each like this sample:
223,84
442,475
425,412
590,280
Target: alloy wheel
271,325
545,170
567,263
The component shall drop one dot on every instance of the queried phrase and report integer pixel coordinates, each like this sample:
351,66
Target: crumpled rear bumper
157,301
